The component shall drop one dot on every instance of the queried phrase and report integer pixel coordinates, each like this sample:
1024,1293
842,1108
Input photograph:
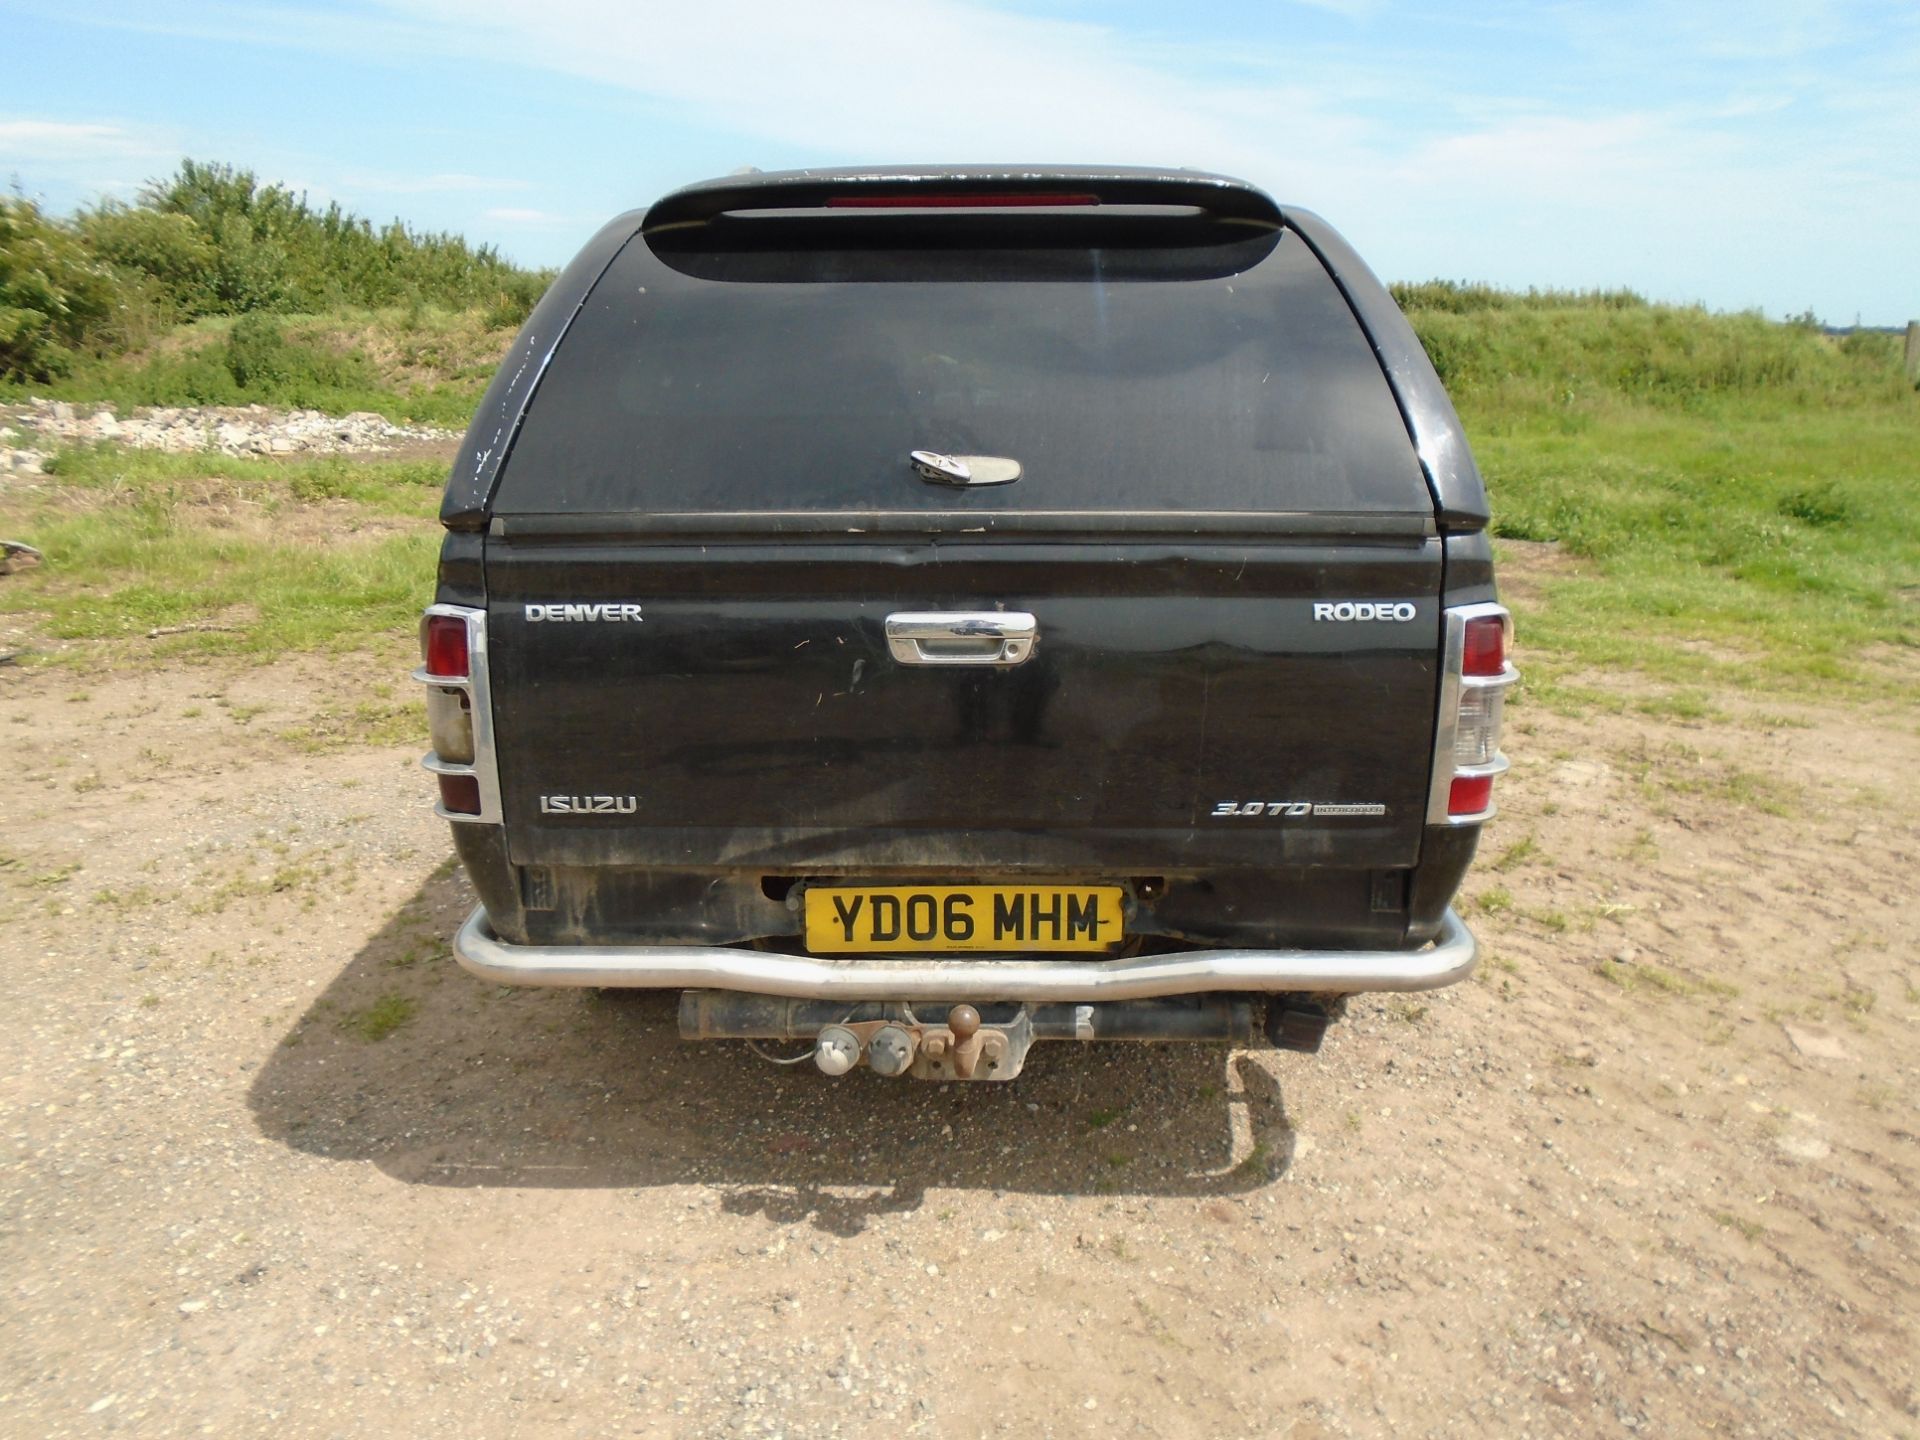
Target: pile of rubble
244,430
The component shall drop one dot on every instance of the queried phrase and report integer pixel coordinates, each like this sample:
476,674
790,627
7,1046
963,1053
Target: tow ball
984,1042
961,1049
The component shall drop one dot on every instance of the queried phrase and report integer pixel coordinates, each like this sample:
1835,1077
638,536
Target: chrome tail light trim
485,766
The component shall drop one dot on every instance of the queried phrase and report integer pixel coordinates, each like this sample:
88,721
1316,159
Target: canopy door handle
962,637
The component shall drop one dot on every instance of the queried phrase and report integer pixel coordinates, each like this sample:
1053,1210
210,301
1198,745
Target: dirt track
1653,1171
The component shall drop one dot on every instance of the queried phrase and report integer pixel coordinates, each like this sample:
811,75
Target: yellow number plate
845,919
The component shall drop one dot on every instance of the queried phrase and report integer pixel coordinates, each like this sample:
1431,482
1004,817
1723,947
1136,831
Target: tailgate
1184,707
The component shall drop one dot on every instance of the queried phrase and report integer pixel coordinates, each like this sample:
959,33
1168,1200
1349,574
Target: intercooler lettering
1293,809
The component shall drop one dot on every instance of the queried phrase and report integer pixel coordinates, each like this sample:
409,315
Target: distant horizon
1765,159
15,185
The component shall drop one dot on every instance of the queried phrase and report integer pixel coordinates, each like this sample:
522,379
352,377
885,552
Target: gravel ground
30,432
276,1165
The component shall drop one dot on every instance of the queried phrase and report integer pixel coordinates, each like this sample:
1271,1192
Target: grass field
417,364
1742,542
1731,501
229,555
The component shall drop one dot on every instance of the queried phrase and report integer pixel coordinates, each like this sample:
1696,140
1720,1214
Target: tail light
453,650
1474,680
997,200
443,645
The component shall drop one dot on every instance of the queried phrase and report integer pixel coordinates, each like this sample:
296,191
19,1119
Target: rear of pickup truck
920,614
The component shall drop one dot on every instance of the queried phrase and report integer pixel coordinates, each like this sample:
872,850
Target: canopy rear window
748,366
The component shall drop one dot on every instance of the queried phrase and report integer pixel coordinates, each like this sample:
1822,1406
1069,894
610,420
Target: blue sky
1756,154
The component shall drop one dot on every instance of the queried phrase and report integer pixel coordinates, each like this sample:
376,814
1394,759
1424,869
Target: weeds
139,542
1642,848
1156,1328
1877,1096
1675,769
1521,849
380,1019
1641,976
365,722
1551,920
1256,1164
1857,1000
1494,900
294,877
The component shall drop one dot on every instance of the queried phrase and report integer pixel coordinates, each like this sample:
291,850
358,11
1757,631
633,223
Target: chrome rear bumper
762,972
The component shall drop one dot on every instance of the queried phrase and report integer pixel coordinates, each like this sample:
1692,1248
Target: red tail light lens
443,643
1467,759
1470,795
460,794
1485,651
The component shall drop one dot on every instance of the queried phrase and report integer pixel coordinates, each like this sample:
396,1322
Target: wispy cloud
1499,138
514,216
30,139
446,184
902,75
56,133
84,158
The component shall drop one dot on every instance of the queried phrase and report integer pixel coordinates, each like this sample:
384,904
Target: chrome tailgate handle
961,637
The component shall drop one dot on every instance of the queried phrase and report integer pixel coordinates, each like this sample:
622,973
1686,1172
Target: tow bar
967,1042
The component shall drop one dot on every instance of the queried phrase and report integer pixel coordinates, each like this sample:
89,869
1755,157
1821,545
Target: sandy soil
275,1165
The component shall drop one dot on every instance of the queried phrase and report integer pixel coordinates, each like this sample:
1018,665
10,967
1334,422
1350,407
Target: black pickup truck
923,612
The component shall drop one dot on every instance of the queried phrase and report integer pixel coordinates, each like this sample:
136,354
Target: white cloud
514,216
1642,157
1687,151
882,79
68,162
32,141
56,133
447,184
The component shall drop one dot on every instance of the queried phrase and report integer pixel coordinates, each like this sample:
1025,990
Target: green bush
212,240
258,356
1563,349
274,251
179,257
269,367
1458,298
53,293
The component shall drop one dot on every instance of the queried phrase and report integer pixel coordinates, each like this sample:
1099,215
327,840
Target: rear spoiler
1459,495
965,186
